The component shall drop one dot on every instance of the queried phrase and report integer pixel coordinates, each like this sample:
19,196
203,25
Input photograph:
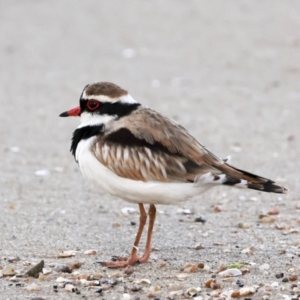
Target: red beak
74,112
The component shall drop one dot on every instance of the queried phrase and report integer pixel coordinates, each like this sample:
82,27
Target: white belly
132,190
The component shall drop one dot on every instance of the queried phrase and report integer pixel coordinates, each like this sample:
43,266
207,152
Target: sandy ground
229,71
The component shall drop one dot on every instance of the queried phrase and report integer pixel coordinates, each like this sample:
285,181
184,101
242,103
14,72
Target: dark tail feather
237,177
269,187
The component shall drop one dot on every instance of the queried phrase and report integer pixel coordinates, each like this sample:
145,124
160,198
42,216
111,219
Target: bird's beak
74,112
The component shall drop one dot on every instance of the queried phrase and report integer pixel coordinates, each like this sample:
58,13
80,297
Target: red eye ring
92,104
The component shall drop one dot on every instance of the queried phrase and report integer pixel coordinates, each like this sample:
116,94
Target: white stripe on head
103,98
127,99
89,119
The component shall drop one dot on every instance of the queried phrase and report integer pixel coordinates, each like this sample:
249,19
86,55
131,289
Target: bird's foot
123,262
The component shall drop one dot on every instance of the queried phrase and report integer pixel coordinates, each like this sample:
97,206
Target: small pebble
200,219
84,277
199,247
235,294
43,172
59,268
135,288
248,250
154,291
68,253
240,283
273,212
129,270
114,281
182,276
267,219
61,279
285,279
217,209
99,291
91,252
128,210
189,268
93,283
212,284
215,285
279,275
70,288
201,265
293,277
35,270
264,267
74,265
13,259
231,273
184,211
274,284
46,271
14,279
193,291
243,225
8,271
246,291
143,281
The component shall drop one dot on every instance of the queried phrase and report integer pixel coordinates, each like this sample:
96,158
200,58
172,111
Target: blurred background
229,71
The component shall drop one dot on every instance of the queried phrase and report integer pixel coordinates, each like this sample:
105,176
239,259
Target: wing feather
148,146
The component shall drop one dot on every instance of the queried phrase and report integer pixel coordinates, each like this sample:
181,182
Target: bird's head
101,102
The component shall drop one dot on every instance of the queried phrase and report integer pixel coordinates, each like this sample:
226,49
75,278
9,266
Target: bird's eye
92,104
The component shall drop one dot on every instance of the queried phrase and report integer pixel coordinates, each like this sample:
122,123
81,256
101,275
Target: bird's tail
241,178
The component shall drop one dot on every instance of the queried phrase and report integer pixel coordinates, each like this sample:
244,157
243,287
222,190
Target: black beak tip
64,114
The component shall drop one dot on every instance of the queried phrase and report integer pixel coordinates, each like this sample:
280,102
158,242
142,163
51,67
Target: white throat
88,119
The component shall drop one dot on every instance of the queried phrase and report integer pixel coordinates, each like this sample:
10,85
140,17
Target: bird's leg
143,218
123,262
152,214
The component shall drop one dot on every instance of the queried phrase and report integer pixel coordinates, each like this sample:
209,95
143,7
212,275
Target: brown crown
106,89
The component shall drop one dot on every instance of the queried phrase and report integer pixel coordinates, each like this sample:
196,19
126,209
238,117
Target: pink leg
123,262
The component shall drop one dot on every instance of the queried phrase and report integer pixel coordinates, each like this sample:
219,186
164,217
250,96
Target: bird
135,153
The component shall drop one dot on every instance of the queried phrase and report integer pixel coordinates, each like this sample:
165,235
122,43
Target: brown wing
147,146
153,127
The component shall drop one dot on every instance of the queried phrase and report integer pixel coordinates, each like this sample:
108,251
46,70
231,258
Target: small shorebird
143,157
